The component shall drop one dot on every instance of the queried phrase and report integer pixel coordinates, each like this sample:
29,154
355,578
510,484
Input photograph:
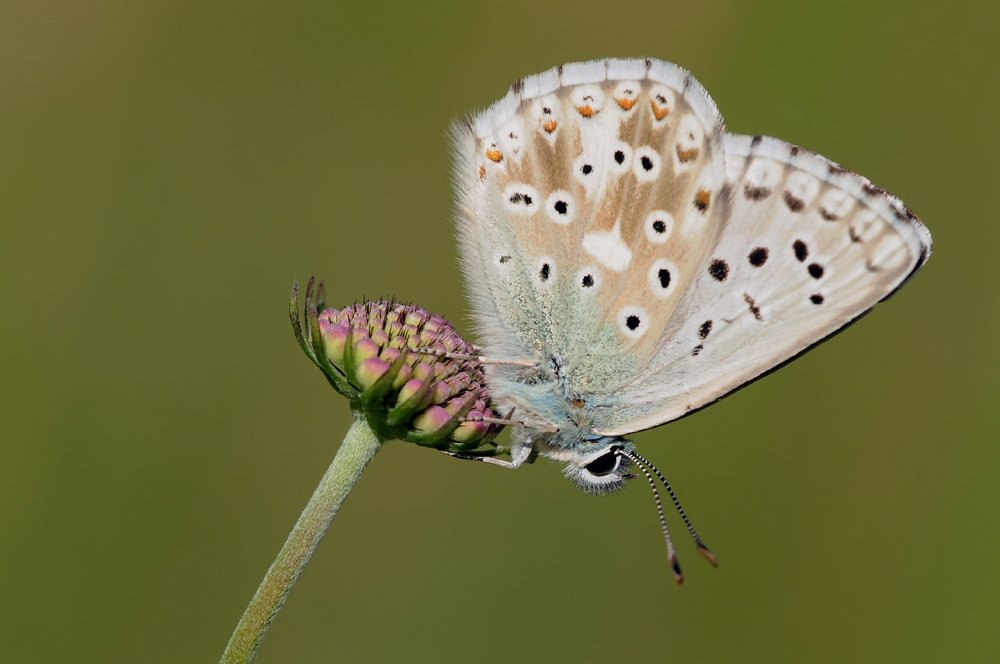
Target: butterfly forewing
805,247
612,231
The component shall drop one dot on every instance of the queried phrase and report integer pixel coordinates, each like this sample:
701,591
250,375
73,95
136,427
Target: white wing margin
807,247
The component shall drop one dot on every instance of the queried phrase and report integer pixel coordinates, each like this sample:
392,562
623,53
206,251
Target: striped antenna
638,458
473,358
663,520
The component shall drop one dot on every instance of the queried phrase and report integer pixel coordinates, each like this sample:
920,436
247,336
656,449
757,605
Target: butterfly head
594,464
603,469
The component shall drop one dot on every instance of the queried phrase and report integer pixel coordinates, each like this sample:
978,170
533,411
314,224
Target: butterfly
630,262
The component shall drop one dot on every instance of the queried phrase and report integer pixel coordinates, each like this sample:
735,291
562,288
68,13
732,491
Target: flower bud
391,361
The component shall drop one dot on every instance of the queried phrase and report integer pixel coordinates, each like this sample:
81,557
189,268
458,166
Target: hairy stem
359,447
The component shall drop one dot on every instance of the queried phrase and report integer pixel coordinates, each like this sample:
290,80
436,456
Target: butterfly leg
517,458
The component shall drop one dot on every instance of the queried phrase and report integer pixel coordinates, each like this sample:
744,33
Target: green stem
359,447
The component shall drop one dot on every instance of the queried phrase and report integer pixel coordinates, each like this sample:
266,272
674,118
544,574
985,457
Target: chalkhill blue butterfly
629,262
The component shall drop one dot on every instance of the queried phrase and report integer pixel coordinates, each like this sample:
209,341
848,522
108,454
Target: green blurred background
167,169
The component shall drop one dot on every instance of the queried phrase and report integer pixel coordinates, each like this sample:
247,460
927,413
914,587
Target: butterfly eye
603,471
603,465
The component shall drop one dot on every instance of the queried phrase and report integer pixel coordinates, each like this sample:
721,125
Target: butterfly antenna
537,426
663,520
704,550
473,358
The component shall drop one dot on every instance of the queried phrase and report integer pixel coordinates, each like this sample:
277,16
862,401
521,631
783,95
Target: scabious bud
397,363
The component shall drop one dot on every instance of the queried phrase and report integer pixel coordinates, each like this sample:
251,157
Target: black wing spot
754,309
586,169
545,272
816,270
827,215
632,322
619,156
587,281
756,193
504,259
647,163
758,256
854,234
561,207
659,226
664,276
801,250
697,349
516,198
794,203
816,299
719,269
705,329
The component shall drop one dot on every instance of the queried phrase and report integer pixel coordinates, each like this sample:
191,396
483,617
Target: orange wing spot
550,126
686,155
578,403
702,199
482,172
493,154
627,103
659,113
586,111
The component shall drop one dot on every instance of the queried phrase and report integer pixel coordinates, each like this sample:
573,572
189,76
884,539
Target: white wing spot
659,224
626,94
646,164
521,199
690,135
866,225
560,207
619,158
800,190
835,204
608,248
890,253
588,100
661,101
663,277
511,138
633,321
762,177
545,271
547,112
585,171
589,279
502,260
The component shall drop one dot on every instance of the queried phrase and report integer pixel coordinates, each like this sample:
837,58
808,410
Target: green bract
392,362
